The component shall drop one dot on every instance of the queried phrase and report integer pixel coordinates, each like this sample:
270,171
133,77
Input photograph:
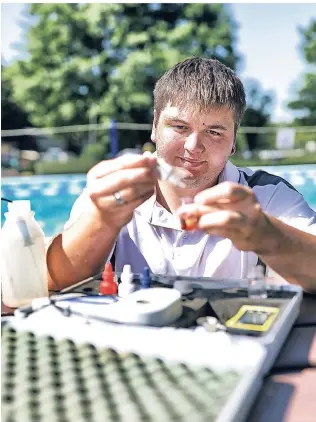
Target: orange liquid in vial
189,223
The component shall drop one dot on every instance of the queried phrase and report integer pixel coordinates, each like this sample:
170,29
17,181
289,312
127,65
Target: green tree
12,116
305,103
258,111
96,62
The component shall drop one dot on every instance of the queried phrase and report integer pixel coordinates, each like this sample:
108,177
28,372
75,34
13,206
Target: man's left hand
229,210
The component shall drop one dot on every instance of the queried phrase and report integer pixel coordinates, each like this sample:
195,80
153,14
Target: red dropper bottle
108,285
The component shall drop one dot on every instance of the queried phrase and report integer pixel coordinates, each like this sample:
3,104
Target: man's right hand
116,187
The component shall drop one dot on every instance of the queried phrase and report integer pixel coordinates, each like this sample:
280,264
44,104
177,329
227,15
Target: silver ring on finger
118,198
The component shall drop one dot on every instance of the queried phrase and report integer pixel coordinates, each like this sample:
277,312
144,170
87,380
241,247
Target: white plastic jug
23,256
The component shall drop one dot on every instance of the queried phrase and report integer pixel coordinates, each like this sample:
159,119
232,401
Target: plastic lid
20,207
145,278
108,273
127,275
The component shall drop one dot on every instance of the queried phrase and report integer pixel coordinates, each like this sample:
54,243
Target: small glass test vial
188,222
257,283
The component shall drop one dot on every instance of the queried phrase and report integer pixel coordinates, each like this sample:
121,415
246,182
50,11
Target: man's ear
153,129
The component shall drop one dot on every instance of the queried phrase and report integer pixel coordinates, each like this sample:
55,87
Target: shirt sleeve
290,207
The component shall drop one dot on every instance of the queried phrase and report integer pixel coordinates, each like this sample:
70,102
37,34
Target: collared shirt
154,237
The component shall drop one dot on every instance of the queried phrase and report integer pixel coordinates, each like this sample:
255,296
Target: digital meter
253,318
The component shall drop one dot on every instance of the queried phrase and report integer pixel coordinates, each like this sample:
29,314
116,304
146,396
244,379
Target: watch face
254,317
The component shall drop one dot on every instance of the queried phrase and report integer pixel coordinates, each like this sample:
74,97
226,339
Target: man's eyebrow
216,126
175,120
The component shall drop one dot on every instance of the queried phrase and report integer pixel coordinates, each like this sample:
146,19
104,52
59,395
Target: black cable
68,312
27,310
5,199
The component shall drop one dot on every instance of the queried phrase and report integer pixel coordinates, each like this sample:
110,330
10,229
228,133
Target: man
198,106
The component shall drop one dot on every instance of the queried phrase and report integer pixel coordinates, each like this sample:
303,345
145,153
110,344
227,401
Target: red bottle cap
108,285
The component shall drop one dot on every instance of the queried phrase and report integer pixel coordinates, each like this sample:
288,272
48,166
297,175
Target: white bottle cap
126,286
20,207
127,275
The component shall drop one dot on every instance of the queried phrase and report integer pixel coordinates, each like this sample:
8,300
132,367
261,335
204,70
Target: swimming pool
53,196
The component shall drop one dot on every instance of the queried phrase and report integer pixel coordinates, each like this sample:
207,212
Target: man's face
199,143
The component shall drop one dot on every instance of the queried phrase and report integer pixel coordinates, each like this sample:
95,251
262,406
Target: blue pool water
53,196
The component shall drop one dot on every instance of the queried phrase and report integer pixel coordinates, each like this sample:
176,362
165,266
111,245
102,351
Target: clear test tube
257,283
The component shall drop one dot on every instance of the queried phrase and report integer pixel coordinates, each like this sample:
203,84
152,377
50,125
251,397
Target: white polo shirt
154,238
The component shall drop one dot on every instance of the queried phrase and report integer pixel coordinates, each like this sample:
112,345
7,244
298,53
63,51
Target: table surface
288,393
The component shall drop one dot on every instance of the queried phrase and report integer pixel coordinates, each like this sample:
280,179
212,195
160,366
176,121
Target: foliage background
91,63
